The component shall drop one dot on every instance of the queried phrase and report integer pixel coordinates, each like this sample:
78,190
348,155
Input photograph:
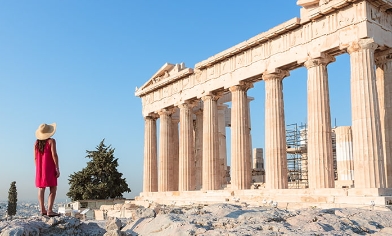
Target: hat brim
47,134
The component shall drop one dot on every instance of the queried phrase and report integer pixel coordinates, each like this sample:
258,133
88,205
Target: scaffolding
335,167
297,155
297,159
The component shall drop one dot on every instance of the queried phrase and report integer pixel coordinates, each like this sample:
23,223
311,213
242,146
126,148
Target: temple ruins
348,165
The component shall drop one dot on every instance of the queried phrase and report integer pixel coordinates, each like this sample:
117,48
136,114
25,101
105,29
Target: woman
46,166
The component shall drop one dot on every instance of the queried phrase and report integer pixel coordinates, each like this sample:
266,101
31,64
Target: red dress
45,168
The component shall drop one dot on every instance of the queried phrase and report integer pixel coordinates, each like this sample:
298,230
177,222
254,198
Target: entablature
282,47
256,40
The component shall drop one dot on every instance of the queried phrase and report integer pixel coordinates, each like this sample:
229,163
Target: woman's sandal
44,213
53,214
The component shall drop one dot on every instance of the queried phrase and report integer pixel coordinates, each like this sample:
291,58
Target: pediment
166,72
307,3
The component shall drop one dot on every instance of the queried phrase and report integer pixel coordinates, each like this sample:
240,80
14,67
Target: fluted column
320,158
186,150
367,143
344,153
174,153
222,143
240,152
384,90
165,162
250,135
150,173
210,143
275,131
199,149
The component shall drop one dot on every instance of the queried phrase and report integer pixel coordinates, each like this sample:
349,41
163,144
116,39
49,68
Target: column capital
212,96
166,111
244,86
362,44
383,57
324,59
151,116
277,75
188,104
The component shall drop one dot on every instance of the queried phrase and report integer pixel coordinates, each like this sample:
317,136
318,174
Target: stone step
286,198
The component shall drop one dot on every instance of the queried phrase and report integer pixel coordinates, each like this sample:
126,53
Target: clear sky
77,63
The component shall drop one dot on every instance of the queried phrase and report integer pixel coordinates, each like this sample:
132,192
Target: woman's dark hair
40,145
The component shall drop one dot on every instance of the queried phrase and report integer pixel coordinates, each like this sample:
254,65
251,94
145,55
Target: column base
344,184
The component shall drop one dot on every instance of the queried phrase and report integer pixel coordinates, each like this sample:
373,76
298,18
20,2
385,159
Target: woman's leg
52,196
41,199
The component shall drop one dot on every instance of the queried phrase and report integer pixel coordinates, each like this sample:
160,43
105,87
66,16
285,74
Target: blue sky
77,63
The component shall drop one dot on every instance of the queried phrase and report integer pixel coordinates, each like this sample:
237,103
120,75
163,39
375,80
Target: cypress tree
100,179
12,200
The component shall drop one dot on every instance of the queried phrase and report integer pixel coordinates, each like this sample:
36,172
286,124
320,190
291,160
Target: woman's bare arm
54,155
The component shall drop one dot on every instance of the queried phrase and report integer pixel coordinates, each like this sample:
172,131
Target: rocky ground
216,219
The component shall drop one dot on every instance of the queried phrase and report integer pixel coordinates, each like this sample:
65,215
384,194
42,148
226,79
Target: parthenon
189,163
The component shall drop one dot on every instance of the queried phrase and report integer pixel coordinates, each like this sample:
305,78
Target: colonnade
197,163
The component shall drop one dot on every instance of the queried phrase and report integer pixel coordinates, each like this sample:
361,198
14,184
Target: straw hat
45,131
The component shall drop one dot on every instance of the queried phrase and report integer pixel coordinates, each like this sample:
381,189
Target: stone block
99,215
344,183
117,206
370,192
129,206
128,213
113,213
361,201
106,207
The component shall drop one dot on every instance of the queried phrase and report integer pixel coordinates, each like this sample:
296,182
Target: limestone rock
113,224
17,231
114,233
145,213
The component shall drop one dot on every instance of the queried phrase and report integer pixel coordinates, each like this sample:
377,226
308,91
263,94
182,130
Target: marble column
366,129
320,156
240,152
186,150
257,160
150,173
275,131
211,180
344,153
384,90
199,149
222,143
174,152
165,177
250,135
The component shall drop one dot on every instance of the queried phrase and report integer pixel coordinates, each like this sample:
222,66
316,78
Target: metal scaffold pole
297,160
